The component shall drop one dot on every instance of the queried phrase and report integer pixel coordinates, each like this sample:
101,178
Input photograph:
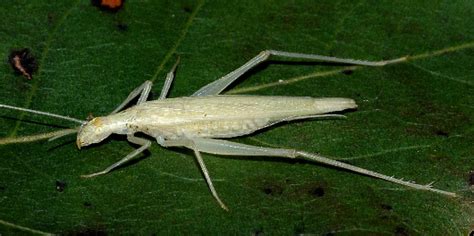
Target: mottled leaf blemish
348,72
60,185
51,18
87,232
258,232
272,189
268,186
386,207
299,229
23,62
401,231
122,27
317,191
471,178
386,211
429,119
442,133
187,8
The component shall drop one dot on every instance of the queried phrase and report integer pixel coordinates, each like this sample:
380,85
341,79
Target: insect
201,121
108,5
23,62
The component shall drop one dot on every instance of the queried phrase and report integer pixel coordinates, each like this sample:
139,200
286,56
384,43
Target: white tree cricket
198,122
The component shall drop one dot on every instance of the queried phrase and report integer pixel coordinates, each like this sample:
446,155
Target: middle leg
142,90
168,81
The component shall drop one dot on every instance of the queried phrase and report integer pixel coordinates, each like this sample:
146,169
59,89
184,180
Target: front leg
145,144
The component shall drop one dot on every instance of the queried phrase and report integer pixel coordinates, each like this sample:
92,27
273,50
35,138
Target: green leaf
415,117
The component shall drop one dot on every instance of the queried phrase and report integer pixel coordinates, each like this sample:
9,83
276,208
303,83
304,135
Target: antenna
43,113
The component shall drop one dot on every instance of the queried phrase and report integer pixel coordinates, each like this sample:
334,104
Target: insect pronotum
200,121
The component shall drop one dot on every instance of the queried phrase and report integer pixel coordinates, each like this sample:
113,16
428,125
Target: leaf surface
414,121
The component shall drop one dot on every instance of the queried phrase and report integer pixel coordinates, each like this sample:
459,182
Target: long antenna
43,113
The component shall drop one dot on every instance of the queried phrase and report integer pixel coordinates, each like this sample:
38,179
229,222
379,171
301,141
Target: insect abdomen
228,116
221,128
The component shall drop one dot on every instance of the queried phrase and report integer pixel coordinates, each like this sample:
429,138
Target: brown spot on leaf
471,178
87,232
272,189
442,133
317,191
60,185
314,189
23,62
401,231
386,207
258,232
122,27
348,72
187,9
